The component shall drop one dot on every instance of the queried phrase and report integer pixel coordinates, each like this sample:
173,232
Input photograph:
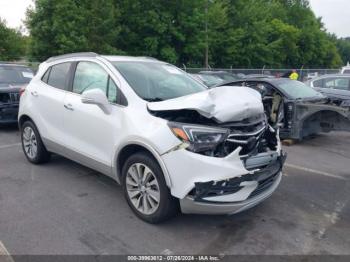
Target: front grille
14,97
264,185
253,139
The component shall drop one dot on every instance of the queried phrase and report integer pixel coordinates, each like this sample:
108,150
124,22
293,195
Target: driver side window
89,76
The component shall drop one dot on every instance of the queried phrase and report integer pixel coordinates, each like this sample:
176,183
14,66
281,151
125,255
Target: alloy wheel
30,143
143,188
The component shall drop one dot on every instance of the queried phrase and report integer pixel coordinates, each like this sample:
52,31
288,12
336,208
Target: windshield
15,75
297,90
157,81
210,80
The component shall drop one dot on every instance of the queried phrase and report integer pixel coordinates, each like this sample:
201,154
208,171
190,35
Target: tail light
22,90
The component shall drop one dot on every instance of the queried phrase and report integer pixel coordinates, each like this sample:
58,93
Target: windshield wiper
154,99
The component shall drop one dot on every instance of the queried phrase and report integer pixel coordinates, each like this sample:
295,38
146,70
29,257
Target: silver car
336,86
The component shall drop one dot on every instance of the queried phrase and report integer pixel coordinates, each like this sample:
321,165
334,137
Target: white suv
169,141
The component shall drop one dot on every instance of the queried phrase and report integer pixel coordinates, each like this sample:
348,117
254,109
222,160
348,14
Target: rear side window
45,78
58,76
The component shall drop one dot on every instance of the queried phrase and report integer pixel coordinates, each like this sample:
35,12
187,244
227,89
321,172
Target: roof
108,57
130,58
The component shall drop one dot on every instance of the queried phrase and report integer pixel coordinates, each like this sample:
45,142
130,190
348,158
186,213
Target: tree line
237,33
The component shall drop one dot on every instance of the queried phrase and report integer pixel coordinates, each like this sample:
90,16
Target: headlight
199,138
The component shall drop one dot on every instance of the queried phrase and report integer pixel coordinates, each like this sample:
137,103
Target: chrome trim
248,134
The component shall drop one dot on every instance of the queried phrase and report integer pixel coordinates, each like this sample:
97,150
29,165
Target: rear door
48,96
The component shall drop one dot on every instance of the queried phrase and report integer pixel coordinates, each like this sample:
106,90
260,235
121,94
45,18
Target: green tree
240,33
343,45
63,26
12,43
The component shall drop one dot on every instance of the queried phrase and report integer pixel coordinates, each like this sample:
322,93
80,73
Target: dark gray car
12,79
336,87
299,110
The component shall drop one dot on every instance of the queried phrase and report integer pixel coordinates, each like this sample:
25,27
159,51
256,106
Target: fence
304,74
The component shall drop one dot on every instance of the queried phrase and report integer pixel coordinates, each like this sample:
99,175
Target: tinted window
155,81
45,78
89,76
15,75
59,76
112,91
347,71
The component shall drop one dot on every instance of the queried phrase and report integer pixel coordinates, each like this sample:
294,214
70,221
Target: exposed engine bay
254,135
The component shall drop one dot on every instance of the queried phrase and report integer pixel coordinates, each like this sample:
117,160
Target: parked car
12,79
208,80
336,87
345,69
299,110
225,76
166,138
256,76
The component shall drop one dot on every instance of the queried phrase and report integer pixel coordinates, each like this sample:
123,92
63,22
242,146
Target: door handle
35,93
69,107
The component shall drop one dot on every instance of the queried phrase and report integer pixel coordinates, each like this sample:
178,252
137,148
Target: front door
91,133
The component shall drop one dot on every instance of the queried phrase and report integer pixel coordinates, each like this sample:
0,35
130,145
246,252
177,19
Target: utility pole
206,61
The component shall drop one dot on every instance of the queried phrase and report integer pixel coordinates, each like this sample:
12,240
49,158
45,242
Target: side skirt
78,157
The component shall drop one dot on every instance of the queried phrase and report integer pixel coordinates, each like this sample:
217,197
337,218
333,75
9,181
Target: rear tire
146,191
32,145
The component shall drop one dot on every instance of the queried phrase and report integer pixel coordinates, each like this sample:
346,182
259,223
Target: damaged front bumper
208,185
225,197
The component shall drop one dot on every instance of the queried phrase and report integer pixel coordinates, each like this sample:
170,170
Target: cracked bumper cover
223,186
224,197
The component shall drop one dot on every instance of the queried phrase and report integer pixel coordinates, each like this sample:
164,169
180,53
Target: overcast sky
335,13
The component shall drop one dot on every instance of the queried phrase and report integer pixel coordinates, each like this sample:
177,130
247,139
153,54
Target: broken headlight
200,139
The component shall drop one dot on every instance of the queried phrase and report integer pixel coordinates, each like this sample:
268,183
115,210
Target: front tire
145,189
32,145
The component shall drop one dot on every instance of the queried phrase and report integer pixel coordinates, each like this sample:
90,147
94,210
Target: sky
335,14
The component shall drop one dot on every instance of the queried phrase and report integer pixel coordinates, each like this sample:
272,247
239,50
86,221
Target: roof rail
148,57
83,54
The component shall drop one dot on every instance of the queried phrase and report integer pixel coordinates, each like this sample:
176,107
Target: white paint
91,133
309,170
5,255
224,103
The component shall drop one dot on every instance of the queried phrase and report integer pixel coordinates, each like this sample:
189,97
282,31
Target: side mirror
97,97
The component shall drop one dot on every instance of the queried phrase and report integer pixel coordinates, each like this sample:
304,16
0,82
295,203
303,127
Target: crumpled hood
224,103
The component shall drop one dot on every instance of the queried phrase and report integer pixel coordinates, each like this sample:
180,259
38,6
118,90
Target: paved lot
64,208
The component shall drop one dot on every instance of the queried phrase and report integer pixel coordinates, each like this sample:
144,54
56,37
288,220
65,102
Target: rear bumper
190,206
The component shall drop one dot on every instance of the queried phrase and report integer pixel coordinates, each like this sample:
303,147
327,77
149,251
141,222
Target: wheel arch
131,148
22,119
327,119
